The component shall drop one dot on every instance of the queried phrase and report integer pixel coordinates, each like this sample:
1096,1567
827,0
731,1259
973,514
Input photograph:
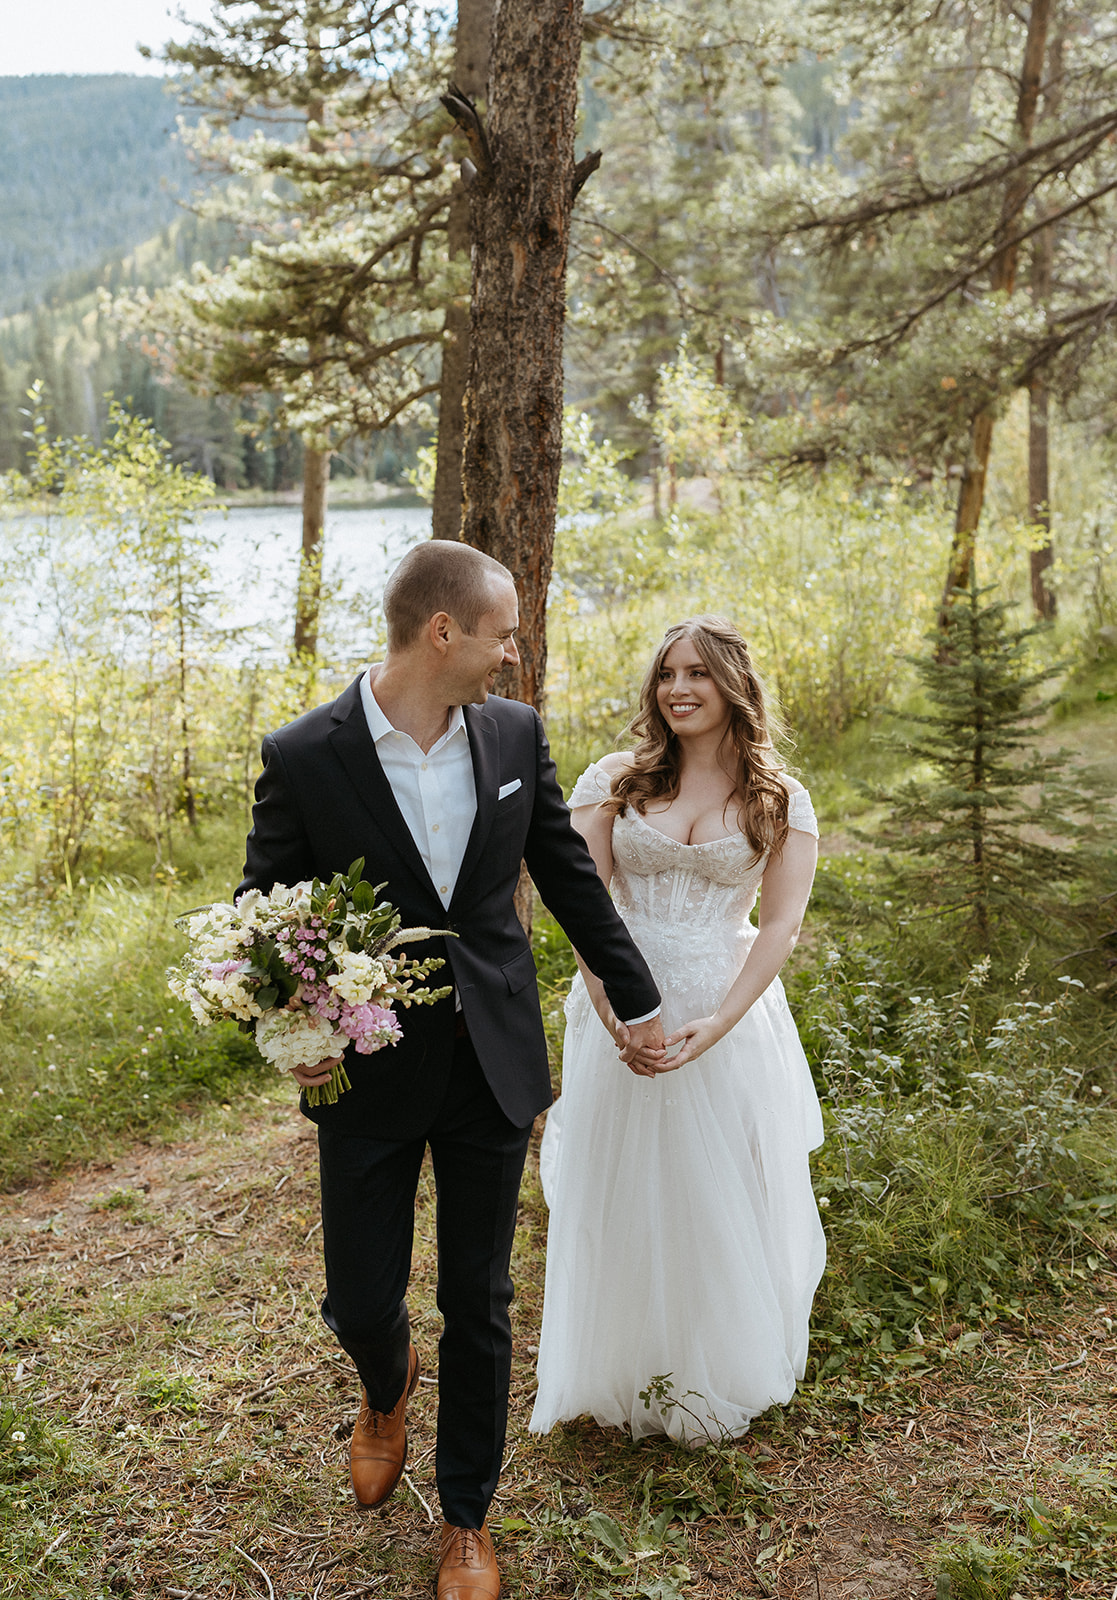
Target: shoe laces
467,1546
370,1421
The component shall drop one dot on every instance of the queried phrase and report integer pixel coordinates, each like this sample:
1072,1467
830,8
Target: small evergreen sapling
986,829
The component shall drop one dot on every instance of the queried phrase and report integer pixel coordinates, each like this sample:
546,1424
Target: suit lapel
353,745
484,749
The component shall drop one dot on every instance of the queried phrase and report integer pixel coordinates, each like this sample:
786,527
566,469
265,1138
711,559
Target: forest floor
163,1323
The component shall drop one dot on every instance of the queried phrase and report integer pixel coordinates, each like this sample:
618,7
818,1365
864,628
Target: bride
684,1244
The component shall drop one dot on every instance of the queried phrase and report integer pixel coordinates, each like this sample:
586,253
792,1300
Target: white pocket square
507,788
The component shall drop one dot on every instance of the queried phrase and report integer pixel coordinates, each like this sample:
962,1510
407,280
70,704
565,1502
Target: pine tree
335,309
977,166
966,838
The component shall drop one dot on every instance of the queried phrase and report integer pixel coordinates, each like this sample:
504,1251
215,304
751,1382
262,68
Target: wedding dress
684,1244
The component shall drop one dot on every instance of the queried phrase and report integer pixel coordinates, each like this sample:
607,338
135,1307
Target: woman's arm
783,900
596,827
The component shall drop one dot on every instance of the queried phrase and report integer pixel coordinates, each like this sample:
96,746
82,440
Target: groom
443,791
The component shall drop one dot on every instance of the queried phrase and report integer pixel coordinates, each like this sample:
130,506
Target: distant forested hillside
88,169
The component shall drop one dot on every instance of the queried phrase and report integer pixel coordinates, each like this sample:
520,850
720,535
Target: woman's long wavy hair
754,763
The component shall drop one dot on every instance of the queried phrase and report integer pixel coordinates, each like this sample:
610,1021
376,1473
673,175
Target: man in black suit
443,791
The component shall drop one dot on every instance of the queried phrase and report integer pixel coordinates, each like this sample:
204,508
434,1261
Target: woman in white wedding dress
684,1244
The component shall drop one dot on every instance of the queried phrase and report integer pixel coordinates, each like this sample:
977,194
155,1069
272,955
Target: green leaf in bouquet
364,897
266,998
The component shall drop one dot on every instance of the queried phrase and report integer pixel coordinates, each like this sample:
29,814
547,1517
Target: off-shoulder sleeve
592,787
800,813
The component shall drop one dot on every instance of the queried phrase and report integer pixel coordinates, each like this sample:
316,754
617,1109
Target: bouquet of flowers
308,970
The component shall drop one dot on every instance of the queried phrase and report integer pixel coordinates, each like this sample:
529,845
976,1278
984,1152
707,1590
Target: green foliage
129,718
833,583
28,1446
963,1139
979,1571
336,305
167,1391
1070,1541
891,251
962,832
598,1546
93,1050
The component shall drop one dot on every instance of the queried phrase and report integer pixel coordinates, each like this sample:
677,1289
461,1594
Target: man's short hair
439,575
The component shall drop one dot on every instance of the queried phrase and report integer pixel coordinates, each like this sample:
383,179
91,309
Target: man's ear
440,631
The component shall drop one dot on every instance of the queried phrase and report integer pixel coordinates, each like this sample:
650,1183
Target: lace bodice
687,905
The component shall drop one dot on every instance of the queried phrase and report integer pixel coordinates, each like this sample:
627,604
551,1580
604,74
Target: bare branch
921,196
468,119
582,170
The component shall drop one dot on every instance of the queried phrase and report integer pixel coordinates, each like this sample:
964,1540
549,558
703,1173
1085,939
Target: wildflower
18,1436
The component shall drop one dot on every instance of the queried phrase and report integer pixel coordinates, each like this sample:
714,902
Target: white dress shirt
434,789
435,792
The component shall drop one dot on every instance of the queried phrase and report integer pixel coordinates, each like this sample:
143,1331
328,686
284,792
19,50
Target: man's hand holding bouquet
308,970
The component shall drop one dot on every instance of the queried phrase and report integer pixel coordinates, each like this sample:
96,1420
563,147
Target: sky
88,35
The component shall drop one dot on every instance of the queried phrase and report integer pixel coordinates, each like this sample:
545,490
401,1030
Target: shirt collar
380,727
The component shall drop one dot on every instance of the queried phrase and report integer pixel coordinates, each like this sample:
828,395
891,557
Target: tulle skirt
684,1244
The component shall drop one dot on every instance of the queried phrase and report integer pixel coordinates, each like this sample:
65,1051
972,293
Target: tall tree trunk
316,463
521,199
471,74
971,490
316,479
1042,557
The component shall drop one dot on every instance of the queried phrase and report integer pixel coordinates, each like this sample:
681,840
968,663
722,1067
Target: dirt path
163,1314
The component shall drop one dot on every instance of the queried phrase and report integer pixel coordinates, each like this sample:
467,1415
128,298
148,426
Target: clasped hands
643,1047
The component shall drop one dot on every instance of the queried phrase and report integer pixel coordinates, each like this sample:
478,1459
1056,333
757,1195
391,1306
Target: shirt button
434,827
444,888
423,768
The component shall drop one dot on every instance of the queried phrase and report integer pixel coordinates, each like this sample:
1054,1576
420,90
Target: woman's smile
686,695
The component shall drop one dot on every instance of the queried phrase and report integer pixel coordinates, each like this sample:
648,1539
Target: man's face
475,659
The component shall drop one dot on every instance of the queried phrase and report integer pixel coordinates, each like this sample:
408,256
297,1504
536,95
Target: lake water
255,568
258,559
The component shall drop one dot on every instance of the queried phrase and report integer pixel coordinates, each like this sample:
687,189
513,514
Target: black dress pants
368,1216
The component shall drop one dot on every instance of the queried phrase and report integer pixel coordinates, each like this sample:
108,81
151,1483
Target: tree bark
1039,498
316,463
316,479
1042,558
521,201
971,490
472,49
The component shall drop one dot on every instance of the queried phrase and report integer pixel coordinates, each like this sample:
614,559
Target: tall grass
93,1050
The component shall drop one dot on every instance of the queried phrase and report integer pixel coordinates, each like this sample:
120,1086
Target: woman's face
689,700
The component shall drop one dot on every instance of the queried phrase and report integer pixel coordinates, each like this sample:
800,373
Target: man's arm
566,876
277,849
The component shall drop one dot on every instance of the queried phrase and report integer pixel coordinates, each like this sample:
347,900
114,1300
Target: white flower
18,1436
296,1039
228,996
248,906
358,979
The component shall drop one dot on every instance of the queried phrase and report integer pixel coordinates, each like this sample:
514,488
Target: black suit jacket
322,800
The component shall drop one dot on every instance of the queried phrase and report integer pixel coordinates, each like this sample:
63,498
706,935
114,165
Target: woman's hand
314,1077
641,1047
696,1038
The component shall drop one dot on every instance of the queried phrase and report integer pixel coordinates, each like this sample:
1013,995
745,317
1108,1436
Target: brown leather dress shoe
466,1564
378,1448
